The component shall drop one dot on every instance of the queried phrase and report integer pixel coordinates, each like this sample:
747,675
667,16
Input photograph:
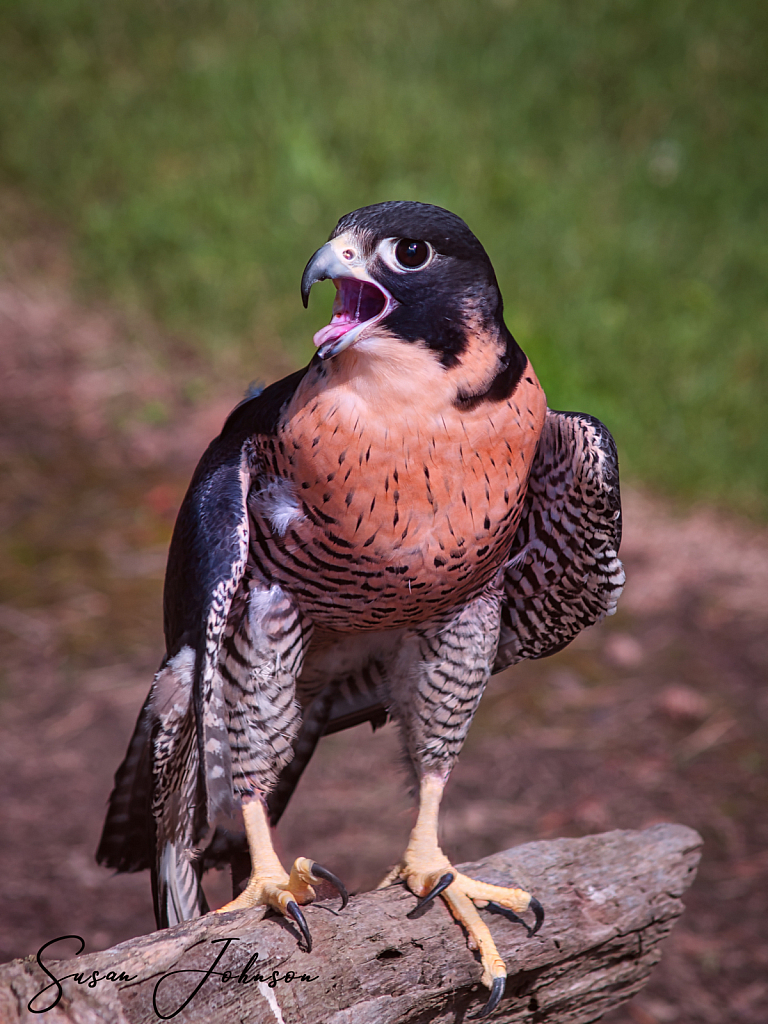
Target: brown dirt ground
659,714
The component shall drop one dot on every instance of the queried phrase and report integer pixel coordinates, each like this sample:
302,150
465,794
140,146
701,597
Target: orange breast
402,516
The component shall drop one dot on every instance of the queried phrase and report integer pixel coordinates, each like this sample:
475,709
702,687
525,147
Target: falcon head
412,271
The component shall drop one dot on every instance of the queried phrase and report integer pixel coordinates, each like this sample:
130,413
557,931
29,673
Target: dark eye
411,254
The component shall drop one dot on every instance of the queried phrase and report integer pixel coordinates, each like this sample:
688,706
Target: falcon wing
182,727
564,572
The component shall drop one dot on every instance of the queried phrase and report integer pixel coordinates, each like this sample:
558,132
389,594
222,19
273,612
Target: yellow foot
286,893
463,894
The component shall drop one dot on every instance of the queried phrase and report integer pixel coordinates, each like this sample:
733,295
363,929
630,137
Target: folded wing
564,572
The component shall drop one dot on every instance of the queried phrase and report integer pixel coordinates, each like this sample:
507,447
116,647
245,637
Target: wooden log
609,900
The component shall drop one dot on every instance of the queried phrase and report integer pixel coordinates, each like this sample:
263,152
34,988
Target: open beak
360,301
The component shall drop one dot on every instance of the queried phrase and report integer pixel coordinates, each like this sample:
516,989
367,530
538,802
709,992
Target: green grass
611,156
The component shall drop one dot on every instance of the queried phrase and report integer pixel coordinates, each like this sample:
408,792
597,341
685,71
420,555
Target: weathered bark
609,900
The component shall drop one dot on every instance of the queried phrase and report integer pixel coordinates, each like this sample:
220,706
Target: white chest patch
277,502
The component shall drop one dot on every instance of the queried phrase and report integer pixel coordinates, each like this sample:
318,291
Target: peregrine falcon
371,537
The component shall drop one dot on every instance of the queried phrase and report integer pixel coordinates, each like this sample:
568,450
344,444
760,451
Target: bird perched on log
371,537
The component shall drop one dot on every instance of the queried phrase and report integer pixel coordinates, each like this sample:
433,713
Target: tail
176,886
127,840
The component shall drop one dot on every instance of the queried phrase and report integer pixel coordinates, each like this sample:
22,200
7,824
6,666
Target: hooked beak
360,301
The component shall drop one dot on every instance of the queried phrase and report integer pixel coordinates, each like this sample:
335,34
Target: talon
465,896
320,872
292,908
441,886
496,908
497,991
534,906
538,912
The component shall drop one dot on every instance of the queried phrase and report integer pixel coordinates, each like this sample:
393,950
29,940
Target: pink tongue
333,331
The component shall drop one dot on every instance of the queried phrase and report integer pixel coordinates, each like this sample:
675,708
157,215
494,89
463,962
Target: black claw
493,999
442,884
292,908
329,876
496,908
534,905
538,912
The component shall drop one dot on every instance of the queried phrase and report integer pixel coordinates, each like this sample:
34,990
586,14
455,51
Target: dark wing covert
564,572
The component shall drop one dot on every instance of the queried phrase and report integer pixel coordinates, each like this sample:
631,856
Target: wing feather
206,563
564,572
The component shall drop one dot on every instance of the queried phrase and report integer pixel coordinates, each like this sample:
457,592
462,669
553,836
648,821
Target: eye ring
412,253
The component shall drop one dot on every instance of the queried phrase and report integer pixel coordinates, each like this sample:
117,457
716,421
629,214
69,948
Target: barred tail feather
176,887
126,840
176,871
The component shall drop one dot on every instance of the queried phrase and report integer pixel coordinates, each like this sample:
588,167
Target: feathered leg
261,657
435,703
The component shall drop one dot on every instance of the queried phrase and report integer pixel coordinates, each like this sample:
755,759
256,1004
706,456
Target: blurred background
166,170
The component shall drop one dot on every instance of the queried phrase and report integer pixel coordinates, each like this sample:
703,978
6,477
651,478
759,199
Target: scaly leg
442,673
270,885
428,873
